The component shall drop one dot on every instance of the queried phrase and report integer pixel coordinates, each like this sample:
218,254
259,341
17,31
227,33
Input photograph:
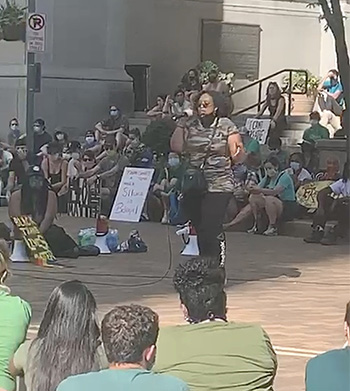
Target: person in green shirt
210,352
331,370
129,335
311,135
15,315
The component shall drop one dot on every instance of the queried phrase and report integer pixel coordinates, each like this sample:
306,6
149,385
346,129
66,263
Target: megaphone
101,234
189,236
19,253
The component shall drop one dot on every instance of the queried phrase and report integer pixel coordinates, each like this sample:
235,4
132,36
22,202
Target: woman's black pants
207,215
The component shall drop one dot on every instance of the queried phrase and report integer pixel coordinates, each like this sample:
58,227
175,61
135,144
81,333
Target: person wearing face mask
299,174
138,154
210,141
275,195
37,199
14,132
168,185
115,125
109,171
311,135
41,137
91,143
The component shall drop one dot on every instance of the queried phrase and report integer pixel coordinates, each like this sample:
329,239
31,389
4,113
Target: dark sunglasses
86,159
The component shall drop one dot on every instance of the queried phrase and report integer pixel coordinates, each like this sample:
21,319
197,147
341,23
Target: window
234,47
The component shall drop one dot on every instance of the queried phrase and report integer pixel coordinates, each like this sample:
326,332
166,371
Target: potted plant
13,21
302,102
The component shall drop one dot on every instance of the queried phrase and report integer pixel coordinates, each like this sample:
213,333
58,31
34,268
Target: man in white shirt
178,108
333,203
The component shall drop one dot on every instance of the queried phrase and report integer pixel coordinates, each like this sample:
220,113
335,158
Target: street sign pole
30,89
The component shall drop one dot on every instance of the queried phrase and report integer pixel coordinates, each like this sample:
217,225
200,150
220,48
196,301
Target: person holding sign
211,141
36,199
276,105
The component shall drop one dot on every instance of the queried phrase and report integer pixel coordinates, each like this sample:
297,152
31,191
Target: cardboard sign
307,194
258,129
132,193
39,250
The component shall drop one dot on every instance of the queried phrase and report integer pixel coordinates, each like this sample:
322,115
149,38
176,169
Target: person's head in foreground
211,353
330,370
67,339
129,335
200,286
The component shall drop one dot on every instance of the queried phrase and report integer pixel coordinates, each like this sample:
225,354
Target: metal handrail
288,91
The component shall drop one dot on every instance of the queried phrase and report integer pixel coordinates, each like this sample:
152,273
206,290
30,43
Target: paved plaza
297,292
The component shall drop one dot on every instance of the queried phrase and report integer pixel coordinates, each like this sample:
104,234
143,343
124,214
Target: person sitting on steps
333,202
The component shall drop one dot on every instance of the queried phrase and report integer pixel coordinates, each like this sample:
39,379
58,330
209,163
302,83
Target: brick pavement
296,291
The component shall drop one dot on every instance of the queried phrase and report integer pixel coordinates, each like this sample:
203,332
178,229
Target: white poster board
131,195
258,129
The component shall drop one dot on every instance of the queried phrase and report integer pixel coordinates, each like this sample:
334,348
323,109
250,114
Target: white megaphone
19,253
189,236
101,235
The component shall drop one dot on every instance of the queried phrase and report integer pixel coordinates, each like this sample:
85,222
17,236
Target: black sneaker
315,237
330,239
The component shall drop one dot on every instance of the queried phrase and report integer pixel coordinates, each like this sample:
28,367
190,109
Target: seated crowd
130,352
265,186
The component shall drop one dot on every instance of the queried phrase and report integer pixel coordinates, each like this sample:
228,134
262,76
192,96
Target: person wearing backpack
275,195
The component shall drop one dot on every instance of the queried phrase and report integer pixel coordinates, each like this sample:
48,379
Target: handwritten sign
39,250
307,194
258,129
132,193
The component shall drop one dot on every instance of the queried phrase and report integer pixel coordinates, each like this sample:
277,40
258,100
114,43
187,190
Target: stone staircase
139,120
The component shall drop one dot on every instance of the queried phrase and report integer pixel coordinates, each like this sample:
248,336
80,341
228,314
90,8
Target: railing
288,89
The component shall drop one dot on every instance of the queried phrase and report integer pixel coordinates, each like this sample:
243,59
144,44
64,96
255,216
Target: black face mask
207,120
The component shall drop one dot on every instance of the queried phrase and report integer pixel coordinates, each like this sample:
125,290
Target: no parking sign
36,26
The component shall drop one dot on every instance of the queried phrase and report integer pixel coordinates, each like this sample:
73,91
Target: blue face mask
295,166
174,161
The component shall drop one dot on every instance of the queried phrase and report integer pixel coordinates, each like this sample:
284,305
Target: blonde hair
4,257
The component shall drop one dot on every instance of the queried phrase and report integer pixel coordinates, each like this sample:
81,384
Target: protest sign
38,248
131,195
307,194
258,129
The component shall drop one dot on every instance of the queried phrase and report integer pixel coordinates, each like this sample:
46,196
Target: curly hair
200,285
347,314
127,331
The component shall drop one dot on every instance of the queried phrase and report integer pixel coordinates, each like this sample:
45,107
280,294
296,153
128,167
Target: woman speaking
210,142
